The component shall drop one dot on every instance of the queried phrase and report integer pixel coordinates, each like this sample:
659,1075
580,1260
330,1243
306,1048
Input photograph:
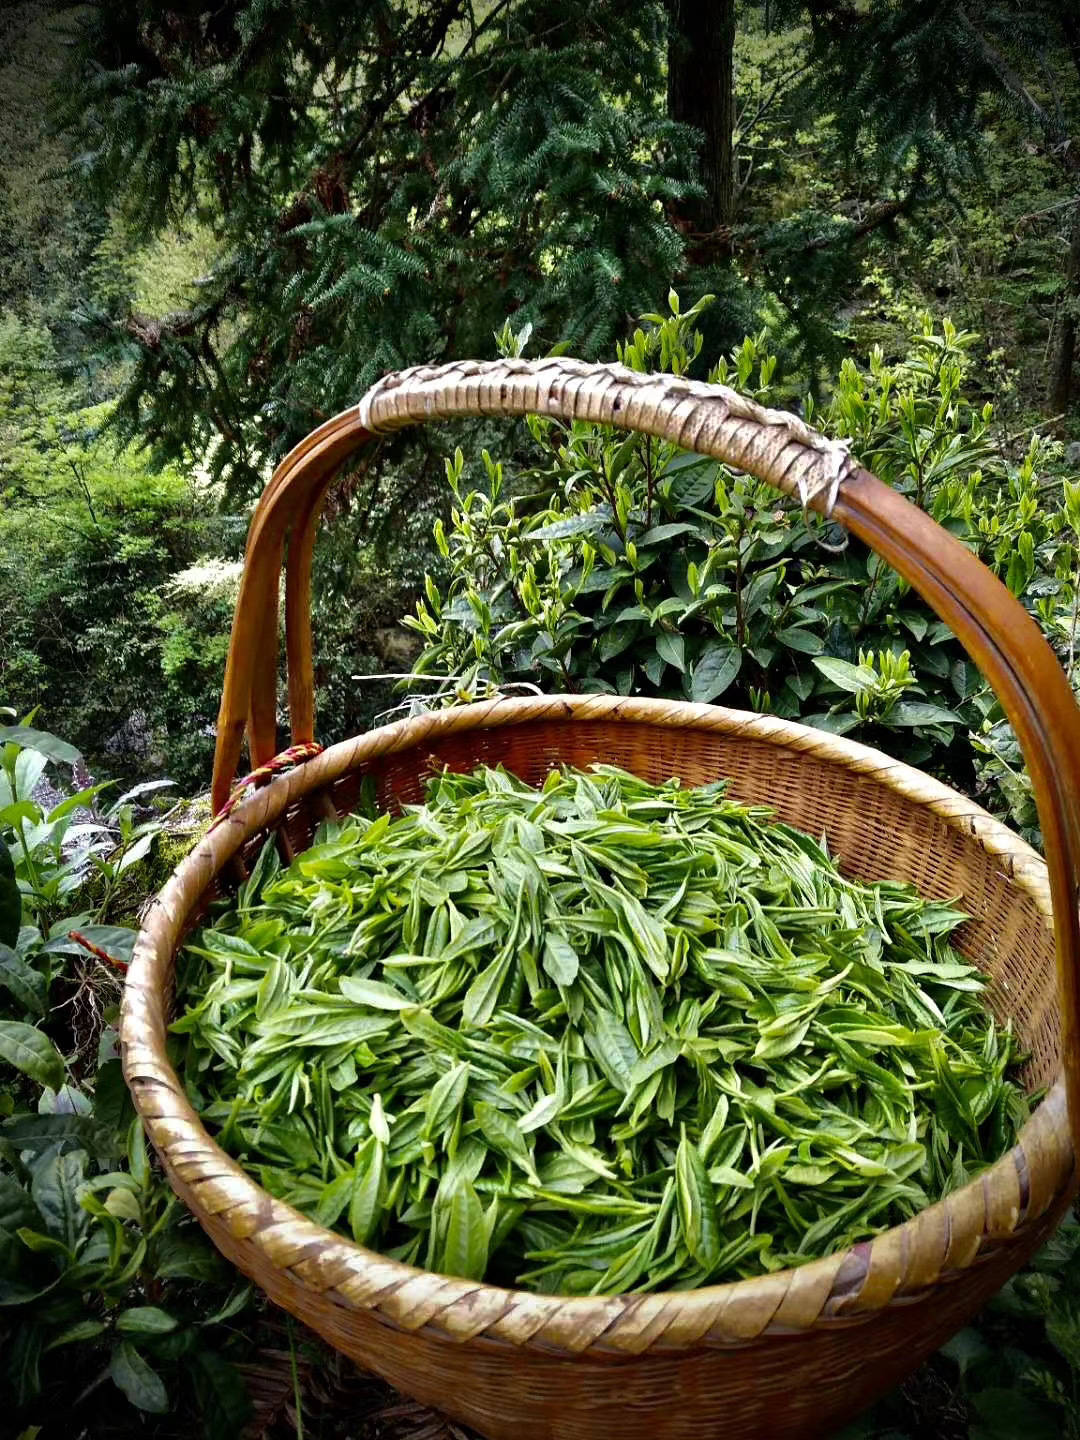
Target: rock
1072,455
133,740
395,646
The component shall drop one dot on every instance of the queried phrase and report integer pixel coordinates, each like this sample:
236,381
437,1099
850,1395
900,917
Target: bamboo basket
789,1354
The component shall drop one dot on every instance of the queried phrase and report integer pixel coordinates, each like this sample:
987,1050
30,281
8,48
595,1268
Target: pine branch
1062,144
874,218
150,330
440,23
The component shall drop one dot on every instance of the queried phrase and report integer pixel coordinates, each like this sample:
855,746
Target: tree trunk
1061,379
701,92
1070,27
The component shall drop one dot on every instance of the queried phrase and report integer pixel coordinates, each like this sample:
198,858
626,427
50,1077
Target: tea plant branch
867,599
740,617
650,481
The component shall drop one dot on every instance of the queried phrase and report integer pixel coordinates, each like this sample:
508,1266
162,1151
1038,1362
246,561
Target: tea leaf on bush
145,1320
715,670
10,898
142,1385
29,739
32,1052
25,984
55,1186
77,1333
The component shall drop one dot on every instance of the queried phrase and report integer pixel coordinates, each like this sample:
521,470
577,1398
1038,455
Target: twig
408,675
1035,214
298,1399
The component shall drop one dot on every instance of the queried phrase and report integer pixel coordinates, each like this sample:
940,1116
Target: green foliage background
217,234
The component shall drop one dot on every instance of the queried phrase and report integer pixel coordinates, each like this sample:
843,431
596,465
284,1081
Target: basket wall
781,1387
794,1354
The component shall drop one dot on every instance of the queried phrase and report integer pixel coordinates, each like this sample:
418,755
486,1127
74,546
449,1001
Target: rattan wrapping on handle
712,419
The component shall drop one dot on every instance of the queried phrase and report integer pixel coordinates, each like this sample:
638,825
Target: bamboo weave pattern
943,1239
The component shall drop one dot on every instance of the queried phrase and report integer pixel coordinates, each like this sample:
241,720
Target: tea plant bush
89,541
614,562
109,1295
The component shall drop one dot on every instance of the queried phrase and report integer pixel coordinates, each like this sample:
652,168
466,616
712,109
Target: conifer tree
912,76
386,182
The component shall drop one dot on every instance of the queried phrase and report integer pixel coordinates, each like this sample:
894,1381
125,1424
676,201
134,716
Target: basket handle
776,447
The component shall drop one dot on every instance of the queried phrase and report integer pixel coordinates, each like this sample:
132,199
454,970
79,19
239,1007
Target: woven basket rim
896,1265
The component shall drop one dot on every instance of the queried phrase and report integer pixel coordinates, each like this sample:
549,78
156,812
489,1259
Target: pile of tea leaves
596,1037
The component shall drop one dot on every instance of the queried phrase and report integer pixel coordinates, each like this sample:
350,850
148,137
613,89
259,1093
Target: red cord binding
294,755
96,950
